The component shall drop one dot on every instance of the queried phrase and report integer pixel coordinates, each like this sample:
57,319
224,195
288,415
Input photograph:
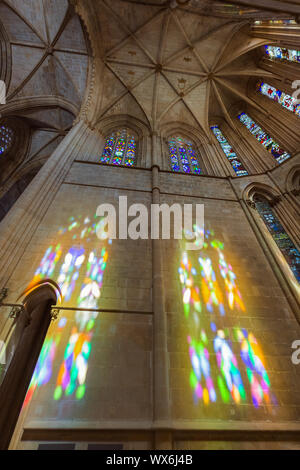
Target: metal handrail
101,310
55,310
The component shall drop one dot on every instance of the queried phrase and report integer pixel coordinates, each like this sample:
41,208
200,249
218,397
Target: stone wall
119,381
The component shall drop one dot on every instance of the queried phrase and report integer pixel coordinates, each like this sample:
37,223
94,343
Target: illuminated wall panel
91,361
227,364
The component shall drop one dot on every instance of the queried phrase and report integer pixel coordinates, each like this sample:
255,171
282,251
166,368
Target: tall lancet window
183,156
275,22
6,138
281,238
286,101
229,152
263,138
120,148
275,52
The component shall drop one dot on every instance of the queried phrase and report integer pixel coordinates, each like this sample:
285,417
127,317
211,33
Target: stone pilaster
18,227
161,393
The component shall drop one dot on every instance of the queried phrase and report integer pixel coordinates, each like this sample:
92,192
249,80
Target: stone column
287,212
294,199
216,164
37,314
161,395
244,149
289,219
261,159
20,224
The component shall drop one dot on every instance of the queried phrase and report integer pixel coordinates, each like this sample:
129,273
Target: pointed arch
194,142
136,129
263,199
293,181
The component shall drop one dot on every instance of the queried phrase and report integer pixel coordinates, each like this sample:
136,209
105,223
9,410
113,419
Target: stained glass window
281,238
275,52
286,101
120,148
263,138
183,155
6,138
229,152
275,22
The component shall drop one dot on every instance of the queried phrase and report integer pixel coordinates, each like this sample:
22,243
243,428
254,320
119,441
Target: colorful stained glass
281,53
108,149
279,235
275,22
6,138
229,152
130,153
183,156
286,101
120,149
263,138
227,364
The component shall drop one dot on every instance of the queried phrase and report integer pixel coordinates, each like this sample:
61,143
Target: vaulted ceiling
164,60
48,60
44,63
175,64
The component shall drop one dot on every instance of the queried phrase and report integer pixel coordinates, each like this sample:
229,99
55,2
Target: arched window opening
281,53
275,22
285,100
264,139
120,148
183,156
12,195
229,152
6,138
279,235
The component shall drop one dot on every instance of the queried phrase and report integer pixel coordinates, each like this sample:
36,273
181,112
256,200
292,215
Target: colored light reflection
79,271
252,357
44,368
234,297
211,292
228,366
191,293
200,378
219,357
72,375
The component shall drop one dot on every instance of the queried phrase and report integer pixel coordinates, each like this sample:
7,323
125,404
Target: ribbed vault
177,64
44,62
